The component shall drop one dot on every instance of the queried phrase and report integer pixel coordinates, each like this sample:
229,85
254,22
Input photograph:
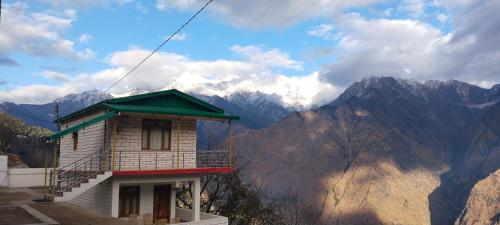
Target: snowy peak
85,98
461,93
253,98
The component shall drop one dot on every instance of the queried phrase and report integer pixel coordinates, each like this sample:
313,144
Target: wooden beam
46,159
54,172
230,146
113,145
178,132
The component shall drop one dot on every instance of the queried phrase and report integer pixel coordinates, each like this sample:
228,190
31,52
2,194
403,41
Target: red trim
173,171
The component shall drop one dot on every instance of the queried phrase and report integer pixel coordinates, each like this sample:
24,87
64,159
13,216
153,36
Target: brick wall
129,140
129,155
90,140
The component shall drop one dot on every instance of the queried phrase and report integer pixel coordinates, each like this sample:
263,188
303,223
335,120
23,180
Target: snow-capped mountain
85,98
451,91
257,109
43,115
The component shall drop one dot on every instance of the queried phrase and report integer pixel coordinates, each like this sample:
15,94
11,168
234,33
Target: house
124,156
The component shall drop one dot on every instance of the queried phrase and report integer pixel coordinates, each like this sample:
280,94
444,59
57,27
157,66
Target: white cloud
85,38
270,58
264,13
415,8
388,12
324,31
442,18
416,50
38,34
167,70
53,75
179,37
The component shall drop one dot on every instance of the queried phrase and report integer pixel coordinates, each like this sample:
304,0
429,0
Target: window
128,201
156,134
75,141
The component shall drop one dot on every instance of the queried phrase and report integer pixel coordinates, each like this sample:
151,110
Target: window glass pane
144,137
166,139
155,138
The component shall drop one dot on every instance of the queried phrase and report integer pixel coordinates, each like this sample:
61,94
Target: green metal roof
82,125
169,102
168,111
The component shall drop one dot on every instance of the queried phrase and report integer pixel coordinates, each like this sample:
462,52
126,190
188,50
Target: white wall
97,198
4,180
27,177
205,218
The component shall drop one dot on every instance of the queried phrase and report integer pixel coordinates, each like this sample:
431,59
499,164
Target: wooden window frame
163,131
75,141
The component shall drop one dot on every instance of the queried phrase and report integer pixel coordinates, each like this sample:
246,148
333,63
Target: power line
161,45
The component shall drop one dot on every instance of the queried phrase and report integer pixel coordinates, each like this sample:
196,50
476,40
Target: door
128,202
161,207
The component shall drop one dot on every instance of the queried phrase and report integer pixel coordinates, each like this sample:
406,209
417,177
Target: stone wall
129,155
90,140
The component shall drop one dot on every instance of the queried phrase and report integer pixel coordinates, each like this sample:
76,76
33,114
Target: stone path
61,212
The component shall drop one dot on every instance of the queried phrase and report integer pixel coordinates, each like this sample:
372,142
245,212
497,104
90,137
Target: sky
306,52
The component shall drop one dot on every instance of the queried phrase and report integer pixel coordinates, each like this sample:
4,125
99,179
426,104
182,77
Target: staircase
81,175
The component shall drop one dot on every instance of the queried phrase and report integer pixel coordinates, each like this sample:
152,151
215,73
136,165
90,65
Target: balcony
170,162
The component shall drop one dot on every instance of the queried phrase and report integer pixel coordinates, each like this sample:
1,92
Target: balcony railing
161,160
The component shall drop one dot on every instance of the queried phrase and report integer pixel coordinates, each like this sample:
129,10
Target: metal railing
159,160
74,174
88,167
212,159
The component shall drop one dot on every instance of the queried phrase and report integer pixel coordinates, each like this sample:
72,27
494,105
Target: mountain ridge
379,151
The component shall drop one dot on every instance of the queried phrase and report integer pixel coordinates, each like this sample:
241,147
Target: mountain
380,152
483,204
256,110
43,115
480,157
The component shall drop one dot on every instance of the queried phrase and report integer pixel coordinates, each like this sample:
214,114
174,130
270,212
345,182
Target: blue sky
305,52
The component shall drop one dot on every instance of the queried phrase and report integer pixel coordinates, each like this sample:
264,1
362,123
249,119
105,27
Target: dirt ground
15,215
64,213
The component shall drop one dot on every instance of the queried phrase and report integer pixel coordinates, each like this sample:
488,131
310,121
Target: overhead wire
161,45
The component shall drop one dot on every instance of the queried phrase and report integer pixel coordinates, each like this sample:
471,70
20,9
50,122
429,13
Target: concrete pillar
115,194
173,198
196,199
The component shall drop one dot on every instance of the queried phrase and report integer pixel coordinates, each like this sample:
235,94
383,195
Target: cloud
167,70
266,14
417,50
5,61
323,31
442,18
415,8
37,34
270,58
179,37
85,38
53,75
